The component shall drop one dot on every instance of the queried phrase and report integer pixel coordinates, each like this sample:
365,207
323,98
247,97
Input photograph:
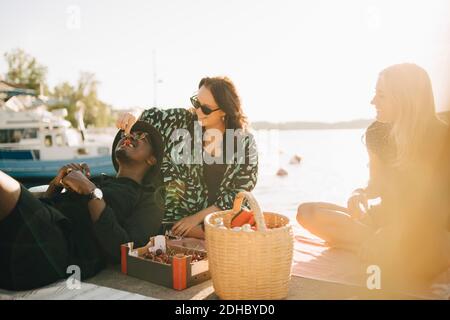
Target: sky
304,60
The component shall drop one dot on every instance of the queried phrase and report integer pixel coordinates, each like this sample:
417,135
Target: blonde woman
407,232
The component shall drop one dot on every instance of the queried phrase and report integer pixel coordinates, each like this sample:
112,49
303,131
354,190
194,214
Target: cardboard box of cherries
173,263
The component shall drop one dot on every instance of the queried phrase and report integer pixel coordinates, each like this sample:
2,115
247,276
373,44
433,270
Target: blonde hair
409,88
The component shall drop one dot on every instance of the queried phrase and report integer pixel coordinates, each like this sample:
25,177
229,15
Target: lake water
334,163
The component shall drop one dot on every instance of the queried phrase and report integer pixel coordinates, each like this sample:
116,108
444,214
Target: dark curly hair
227,98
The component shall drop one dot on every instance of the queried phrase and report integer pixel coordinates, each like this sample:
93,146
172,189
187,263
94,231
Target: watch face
97,193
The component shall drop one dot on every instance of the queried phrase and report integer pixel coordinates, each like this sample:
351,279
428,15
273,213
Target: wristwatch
96,194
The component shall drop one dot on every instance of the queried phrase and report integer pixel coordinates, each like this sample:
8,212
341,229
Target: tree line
25,71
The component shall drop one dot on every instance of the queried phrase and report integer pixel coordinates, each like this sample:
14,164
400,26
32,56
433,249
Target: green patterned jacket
185,189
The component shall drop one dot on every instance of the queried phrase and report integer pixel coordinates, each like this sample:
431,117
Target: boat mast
155,80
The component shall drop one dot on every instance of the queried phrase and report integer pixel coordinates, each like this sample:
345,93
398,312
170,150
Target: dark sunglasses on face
135,136
205,109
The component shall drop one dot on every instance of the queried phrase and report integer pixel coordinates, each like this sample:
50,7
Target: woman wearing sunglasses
195,189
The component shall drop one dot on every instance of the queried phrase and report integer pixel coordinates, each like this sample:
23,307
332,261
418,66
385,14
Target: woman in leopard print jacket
210,155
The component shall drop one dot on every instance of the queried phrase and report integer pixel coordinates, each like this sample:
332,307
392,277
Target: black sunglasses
134,135
205,109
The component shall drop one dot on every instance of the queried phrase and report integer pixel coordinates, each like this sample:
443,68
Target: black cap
156,142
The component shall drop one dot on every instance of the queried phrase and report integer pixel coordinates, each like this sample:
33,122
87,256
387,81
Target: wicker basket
250,265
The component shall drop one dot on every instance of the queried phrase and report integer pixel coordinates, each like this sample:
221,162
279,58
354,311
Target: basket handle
254,206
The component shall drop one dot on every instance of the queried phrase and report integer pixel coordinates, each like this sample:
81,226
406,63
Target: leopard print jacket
185,189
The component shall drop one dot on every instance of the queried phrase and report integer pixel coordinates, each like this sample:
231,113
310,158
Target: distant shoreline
304,125
310,125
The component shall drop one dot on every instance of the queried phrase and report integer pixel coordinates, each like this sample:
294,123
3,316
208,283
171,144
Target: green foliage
24,70
64,97
96,112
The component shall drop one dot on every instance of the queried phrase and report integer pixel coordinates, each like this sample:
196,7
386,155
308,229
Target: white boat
35,143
